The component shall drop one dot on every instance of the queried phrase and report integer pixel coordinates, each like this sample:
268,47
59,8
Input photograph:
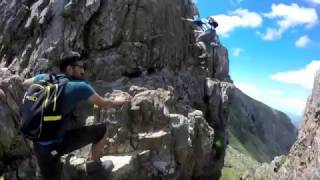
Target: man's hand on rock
122,99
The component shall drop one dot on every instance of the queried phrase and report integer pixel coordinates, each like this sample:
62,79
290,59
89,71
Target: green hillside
257,133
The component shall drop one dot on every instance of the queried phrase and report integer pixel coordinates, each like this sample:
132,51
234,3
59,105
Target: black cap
68,61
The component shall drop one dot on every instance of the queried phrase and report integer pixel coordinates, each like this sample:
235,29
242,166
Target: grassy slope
239,130
236,163
240,155
245,150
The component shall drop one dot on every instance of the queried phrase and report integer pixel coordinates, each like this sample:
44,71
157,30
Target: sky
274,48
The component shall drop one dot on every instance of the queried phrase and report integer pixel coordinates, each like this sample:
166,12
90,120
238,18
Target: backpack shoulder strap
60,79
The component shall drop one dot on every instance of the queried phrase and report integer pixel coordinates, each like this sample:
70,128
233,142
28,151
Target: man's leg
97,149
47,162
77,138
95,134
203,48
210,62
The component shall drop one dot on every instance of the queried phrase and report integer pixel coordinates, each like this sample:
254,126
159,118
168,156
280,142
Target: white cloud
276,92
236,19
302,41
250,89
236,1
275,98
303,77
255,92
315,1
289,16
237,51
272,34
290,105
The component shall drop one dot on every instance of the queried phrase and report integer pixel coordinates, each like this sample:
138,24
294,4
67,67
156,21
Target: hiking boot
214,44
98,165
203,55
99,169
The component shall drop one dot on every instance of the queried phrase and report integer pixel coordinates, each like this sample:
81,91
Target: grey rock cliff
15,159
175,126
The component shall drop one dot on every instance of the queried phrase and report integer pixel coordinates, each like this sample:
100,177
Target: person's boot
99,169
203,50
214,44
203,55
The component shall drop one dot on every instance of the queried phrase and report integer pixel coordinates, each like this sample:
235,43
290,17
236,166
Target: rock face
127,37
304,155
15,159
175,126
302,163
159,136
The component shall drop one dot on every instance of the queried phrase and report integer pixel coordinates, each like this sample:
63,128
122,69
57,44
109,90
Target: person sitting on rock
207,39
48,153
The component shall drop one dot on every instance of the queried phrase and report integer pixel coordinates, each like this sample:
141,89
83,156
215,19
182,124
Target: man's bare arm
26,83
187,19
108,103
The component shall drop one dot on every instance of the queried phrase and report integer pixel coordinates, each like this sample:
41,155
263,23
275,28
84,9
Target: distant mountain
257,133
295,119
302,162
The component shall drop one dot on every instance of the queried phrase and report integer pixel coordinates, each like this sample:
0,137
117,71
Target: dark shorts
48,156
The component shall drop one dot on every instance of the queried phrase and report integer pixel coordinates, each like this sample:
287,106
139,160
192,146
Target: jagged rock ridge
175,126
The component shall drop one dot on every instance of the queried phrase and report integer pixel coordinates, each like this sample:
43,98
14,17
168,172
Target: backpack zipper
48,94
55,98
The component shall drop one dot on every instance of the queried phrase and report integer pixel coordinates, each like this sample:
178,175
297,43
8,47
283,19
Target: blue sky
274,47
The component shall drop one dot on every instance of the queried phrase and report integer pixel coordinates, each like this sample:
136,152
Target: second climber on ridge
207,39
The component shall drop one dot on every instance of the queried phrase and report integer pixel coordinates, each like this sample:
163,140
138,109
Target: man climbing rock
207,41
54,141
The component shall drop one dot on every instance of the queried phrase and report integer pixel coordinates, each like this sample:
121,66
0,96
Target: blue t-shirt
73,92
203,24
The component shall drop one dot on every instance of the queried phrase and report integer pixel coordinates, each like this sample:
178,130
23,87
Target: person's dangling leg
204,51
